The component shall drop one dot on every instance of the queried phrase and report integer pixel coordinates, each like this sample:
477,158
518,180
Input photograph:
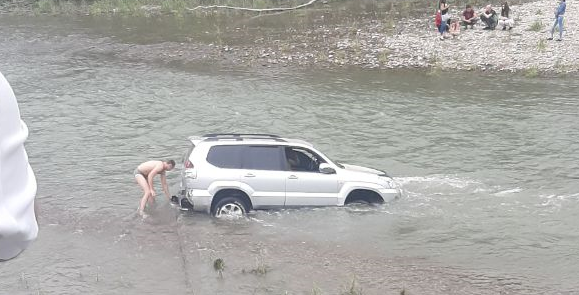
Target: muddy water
488,166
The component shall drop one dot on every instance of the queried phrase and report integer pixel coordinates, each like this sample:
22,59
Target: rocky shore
386,43
414,43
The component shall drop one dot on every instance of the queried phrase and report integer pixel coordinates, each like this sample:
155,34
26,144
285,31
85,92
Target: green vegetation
260,268
316,291
435,69
383,57
542,45
219,266
353,289
55,6
537,26
532,72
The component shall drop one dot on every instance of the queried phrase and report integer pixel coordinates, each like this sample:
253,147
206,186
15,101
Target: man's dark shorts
137,172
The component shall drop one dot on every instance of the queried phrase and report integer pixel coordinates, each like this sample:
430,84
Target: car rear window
263,158
225,156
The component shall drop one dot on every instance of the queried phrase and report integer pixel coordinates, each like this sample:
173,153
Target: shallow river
488,166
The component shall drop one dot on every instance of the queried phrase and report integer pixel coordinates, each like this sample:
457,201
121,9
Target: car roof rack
252,135
241,136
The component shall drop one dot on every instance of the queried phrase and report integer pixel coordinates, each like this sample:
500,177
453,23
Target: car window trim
280,151
305,149
240,159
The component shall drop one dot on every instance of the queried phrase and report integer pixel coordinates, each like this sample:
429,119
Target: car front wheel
230,207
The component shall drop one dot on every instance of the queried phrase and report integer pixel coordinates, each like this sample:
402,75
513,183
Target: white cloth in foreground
18,227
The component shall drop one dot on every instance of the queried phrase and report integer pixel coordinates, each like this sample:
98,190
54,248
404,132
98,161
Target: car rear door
263,169
225,165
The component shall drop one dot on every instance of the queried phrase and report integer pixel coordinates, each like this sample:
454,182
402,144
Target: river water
488,165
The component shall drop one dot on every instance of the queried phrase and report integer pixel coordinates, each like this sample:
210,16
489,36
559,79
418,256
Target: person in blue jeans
559,13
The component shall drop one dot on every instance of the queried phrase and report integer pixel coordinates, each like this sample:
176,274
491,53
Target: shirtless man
144,175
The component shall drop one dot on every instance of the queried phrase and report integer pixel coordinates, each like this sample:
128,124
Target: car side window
301,159
225,156
263,158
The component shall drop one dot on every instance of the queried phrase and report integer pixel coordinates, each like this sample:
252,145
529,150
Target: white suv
231,174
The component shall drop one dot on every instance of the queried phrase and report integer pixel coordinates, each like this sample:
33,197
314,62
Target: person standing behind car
18,226
144,175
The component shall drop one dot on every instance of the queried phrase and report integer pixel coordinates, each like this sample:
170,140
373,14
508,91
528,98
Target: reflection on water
487,164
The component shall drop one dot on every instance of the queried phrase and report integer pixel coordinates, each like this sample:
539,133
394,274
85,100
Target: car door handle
293,177
249,175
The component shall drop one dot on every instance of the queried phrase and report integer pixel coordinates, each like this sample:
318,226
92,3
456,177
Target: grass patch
353,289
435,66
46,6
537,26
532,72
260,269
561,67
316,291
542,45
60,7
383,57
219,266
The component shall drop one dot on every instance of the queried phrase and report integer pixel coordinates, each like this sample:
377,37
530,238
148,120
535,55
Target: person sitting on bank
144,175
454,28
489,17
469,17
505,20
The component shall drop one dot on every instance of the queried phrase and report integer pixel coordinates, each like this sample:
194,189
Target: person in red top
469,17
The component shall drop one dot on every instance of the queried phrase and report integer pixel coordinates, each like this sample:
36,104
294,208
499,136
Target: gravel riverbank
413,43
381,43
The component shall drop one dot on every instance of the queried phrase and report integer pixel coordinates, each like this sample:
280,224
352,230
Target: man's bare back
146,167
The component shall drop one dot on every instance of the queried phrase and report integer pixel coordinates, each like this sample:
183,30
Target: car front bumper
389,194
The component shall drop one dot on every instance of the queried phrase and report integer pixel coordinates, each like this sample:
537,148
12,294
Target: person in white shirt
18,226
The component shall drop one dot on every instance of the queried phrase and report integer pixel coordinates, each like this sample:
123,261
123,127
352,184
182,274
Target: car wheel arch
231,193
367,195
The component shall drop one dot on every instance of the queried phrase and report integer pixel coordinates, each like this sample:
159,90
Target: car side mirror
325,168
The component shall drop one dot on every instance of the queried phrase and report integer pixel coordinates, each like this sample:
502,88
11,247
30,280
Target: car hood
363,169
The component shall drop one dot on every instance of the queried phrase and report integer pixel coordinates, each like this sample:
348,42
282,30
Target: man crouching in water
144,175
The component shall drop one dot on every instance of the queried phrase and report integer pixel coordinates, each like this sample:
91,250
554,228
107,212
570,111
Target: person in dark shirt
469,17
489,17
